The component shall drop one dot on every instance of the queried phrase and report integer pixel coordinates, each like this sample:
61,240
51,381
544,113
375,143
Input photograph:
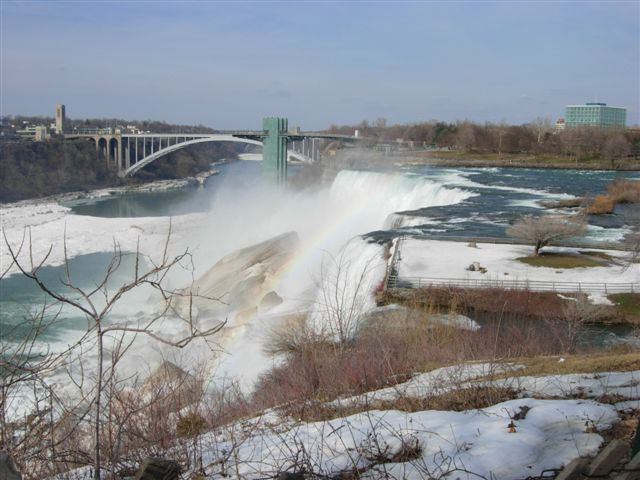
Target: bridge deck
244,133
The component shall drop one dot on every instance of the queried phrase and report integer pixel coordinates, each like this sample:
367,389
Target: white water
244,212
326,221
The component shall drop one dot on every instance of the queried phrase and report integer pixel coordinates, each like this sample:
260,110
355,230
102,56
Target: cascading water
247,213
331,254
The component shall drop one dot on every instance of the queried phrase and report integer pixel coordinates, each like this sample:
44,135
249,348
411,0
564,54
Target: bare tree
615,148
465,136
541,126
576,314
344,292
96,304
544,230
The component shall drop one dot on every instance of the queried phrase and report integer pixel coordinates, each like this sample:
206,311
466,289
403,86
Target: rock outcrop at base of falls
237,284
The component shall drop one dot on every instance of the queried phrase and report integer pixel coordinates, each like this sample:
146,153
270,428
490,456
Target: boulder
241,279
270,300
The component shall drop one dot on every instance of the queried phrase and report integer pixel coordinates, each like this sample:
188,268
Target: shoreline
154,186
461,162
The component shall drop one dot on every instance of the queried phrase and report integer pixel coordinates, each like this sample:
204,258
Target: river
383,203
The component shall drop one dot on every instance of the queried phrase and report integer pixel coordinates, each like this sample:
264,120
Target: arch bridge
132,152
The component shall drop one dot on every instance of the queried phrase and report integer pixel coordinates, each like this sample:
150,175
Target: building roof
594,105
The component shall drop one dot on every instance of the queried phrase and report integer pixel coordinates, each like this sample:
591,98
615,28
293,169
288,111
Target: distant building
29,131
560,125
595,115
41,133
61,120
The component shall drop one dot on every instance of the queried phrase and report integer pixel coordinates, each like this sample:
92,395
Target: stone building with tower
61,120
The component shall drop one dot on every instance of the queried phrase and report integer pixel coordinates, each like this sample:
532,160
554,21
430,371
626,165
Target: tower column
274,149
127,154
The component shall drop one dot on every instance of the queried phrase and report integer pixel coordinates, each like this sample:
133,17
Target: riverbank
155,186
48,220
491,160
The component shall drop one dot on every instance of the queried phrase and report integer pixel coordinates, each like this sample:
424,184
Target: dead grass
488,304
457,400
388,350
559,260
628,304
602,204
614,361
618,191
602,255
625,191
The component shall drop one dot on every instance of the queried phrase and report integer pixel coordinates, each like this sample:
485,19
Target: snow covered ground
449,260
511,440
623,385
49,224
428,444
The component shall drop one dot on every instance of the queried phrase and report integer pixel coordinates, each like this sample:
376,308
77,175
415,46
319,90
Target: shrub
601,204
624,191
190,425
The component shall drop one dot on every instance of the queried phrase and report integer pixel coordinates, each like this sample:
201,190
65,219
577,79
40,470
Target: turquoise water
23,305
501,195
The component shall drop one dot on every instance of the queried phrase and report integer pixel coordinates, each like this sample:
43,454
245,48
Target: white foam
459,178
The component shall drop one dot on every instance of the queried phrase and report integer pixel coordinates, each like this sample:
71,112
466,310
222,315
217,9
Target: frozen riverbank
444,261
45,222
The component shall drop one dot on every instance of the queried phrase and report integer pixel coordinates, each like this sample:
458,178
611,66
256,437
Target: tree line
154,126
535,138
36,169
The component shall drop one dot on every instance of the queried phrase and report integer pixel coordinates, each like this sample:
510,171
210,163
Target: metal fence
540,286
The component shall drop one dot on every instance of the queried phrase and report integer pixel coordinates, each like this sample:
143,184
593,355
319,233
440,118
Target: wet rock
270,300
241,279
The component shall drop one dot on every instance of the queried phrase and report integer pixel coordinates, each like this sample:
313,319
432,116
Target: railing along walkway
395,281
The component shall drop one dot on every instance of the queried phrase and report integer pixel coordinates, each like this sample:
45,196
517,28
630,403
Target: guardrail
535,285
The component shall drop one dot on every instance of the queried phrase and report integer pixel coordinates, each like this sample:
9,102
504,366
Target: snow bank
449,260
510,440
48,225
624,385
435,382
416,445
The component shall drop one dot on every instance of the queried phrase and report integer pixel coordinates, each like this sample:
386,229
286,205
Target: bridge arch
172,148
114,150
103,148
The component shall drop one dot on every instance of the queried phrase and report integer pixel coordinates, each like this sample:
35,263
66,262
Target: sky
229,64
